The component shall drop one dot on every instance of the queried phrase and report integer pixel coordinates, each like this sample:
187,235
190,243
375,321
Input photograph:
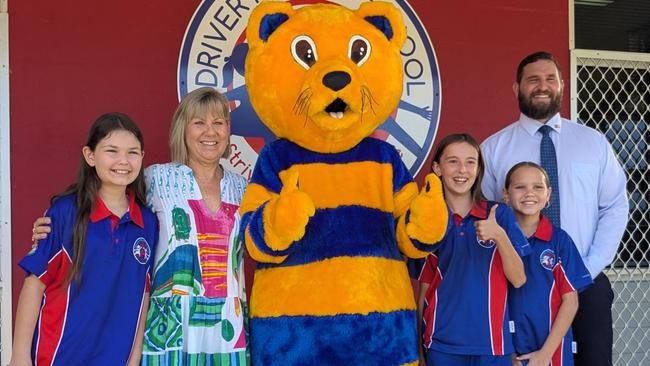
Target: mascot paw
429,216
287,215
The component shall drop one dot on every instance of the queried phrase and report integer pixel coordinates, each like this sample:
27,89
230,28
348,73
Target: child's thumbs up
488,229
493,213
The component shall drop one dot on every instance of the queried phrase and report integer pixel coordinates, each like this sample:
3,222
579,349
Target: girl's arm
513,266
29,304
561,325
423,292
136,352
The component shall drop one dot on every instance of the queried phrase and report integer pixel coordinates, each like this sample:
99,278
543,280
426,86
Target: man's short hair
534,57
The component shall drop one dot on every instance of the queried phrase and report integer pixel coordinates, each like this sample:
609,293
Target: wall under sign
73,60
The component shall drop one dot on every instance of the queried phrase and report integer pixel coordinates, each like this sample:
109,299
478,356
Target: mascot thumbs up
330,212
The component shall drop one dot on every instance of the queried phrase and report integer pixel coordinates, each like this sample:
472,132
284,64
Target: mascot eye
303,50
359,50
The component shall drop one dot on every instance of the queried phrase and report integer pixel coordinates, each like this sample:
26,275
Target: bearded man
588,195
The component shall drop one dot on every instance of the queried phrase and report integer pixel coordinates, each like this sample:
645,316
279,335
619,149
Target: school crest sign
214,51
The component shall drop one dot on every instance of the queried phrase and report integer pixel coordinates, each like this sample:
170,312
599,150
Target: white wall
5,191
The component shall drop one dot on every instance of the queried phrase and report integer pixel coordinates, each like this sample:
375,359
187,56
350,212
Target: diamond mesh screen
611,93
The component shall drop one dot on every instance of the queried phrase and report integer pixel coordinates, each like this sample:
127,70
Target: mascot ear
265,19
385,17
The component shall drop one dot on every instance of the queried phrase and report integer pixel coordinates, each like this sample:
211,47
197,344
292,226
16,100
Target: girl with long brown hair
87,287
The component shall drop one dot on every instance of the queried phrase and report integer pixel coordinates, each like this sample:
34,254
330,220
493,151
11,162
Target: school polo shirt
553,268
466,310
96,323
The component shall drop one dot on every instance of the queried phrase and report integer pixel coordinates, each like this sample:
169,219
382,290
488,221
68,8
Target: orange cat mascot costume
330,212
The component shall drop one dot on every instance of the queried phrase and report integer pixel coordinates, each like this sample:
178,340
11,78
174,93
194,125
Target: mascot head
324,76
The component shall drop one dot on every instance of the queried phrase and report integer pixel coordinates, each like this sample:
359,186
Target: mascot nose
336,80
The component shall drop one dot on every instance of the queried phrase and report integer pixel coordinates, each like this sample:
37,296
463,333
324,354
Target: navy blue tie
548,161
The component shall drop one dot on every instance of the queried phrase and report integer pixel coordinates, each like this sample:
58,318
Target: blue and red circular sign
214,51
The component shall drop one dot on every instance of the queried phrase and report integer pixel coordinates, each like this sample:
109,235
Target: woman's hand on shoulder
41,228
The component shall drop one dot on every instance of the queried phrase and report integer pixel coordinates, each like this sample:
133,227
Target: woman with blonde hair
198,303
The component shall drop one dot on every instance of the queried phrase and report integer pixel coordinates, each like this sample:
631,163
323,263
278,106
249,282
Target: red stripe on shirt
53,266
54,310
429,269
498,293
554,302
430,274
147,283
561,279
560,287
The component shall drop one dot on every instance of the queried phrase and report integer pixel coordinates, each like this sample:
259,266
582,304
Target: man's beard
543,112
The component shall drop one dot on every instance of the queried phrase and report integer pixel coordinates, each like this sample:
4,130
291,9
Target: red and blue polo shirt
95,323
553,269
466,309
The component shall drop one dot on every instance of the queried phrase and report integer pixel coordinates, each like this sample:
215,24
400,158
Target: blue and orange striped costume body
341,294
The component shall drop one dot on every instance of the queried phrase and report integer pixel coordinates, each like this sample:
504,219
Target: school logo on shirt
141,250
214,51
486,243
547,259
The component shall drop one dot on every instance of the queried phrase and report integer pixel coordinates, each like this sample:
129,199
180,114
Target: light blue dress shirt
593,197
